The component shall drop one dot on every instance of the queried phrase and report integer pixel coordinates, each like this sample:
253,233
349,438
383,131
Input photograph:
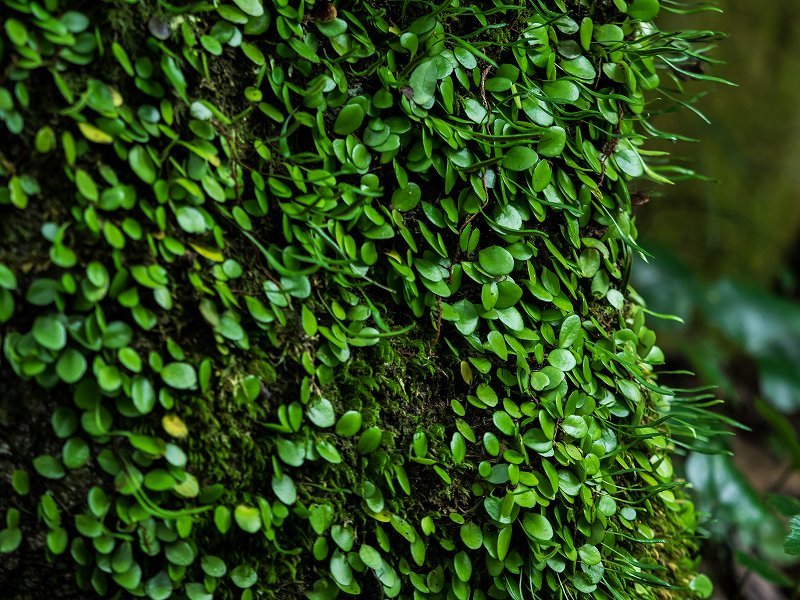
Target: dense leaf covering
332,300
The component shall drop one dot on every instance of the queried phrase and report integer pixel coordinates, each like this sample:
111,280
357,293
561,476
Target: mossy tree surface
332,301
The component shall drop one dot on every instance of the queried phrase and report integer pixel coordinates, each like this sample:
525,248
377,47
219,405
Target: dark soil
25,432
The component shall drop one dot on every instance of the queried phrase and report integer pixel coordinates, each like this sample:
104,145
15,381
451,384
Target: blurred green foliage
237,239
742,221
732,333
727,256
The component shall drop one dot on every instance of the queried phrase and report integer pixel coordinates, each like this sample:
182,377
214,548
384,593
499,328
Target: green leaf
552,141
504,423
8,280
607,505
6,305
344,536
253,8
180,553
159,587
575,425
370,557
71,366
321,517
122,58
197,591
290,452
309,321
504,542
211,44
179,375
142,164
64,422
247,518
471,535
320,412
284,489
370,440
74,21
349,119
50,333
122,560
465,57
542,175
48,467
20,481
702,586
16,31
75,453
244,576
222,519
537,527
458,448
562,359
590,555
792,543
589,262
349,423
327,451
86,185
143,395
644,10
496,260
98,502
340,569
520,158
491,443
190,219
213,566
587,28
117,335
629,162
498,344
88,526
562,90
10,539
407,198
423,81
463,566
580,67
159,480
57,540
419,443
475,111
570,331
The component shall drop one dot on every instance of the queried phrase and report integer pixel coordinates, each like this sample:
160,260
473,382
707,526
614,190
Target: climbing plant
329,300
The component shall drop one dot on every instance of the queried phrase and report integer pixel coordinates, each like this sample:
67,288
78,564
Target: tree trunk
329,300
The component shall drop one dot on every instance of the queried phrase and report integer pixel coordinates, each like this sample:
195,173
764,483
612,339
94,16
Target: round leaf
520,158
349,423
320,412
71,366
496,261
179,375
407,198
563,359
537,526
254,8
471,535
349,119
49,333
